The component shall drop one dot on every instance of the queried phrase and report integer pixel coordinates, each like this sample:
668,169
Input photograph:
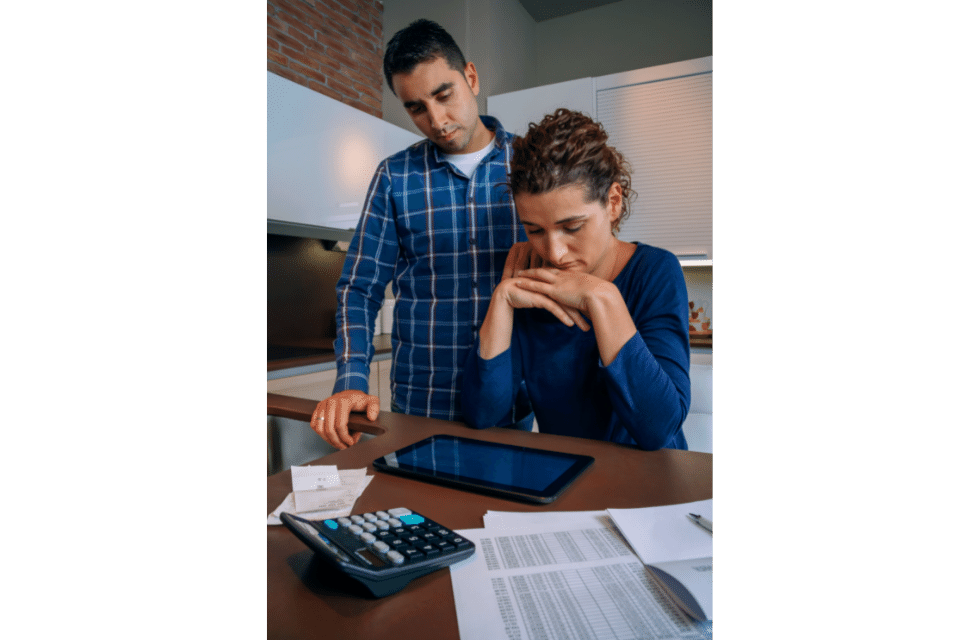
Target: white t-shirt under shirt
467,162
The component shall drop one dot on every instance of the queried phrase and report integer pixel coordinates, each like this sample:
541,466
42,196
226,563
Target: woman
594,326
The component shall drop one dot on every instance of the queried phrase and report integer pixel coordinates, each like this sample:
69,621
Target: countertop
321,362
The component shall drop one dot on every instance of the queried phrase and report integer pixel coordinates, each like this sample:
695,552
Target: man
440,221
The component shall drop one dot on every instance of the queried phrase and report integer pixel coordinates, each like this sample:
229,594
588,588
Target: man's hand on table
330,416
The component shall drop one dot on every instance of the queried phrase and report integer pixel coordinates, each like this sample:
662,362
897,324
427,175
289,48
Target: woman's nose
556,251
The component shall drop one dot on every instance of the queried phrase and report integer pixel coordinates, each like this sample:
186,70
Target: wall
497,36
512,52
622,36
301,289
334,47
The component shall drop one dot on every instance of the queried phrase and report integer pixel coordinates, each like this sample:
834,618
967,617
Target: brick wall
331,46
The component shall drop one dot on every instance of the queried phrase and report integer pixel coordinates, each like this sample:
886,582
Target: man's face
442,103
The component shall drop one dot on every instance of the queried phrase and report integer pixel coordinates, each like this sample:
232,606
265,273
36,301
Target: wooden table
302,603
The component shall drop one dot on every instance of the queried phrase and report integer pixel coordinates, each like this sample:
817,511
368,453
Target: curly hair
569,148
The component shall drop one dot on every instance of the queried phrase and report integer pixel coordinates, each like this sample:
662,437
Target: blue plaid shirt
444,239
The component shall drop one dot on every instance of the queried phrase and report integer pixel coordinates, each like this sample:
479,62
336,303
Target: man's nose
437,118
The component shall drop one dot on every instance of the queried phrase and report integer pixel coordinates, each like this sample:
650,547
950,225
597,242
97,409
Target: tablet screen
534,474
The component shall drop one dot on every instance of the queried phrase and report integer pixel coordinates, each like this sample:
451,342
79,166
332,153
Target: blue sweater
640,399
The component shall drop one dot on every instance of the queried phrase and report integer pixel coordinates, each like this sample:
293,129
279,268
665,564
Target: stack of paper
321,492
557,575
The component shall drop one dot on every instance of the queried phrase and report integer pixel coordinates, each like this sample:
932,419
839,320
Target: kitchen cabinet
660,118
517,109
322,155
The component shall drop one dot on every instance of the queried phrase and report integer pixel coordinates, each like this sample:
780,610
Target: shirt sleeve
368,268
489,388
648,381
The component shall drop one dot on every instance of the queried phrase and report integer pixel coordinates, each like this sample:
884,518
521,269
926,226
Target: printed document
544,582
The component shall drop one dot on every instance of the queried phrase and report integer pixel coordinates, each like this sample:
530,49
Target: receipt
337,501
314,477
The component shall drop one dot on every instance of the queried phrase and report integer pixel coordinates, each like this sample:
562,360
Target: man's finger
373,408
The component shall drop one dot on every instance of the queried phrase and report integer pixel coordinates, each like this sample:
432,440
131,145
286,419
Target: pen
702,522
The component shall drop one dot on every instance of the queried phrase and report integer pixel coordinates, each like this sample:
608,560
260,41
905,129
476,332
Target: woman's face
569,233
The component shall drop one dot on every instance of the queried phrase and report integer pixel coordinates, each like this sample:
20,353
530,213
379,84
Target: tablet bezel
547,495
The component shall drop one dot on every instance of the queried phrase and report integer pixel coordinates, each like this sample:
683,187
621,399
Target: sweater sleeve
489,388
648,381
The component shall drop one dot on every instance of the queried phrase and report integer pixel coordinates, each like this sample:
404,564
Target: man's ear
472,79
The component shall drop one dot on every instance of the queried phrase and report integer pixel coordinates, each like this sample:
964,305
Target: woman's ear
614,203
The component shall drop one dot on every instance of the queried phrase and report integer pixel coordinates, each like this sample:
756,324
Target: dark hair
421,41
569,148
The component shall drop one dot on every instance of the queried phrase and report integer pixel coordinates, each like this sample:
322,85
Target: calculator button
356,519
444,545
381,514
381,546
429,550
382,525
398,543
413,540
368,537
396,557
429,536
399,511
370,528
411,518
399,531
385,535
370,517
461,543
395,522
356,530
332,524
442,531
344,522
411,553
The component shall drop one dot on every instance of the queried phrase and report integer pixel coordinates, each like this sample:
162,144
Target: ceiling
542,10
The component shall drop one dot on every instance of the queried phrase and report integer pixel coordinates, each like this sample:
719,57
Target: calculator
382,550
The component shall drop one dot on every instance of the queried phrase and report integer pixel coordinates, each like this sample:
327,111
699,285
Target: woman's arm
643,352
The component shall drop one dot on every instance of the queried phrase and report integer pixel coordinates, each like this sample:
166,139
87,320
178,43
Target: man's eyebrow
442,87
562,221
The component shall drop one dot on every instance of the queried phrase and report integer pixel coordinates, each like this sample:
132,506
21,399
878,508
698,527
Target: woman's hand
518,294
597,299
521,256
574,290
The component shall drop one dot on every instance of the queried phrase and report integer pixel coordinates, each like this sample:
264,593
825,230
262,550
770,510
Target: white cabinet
322,155
660,118
517,109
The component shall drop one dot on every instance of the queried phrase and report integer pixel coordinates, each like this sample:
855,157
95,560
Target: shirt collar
491,123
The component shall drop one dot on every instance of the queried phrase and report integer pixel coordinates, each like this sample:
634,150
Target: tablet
504,470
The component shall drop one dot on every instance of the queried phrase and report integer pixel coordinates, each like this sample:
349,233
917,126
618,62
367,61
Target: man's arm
368,268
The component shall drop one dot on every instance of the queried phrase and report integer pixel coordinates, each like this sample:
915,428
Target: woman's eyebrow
562,221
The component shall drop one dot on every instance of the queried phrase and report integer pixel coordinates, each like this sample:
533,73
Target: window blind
664,130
